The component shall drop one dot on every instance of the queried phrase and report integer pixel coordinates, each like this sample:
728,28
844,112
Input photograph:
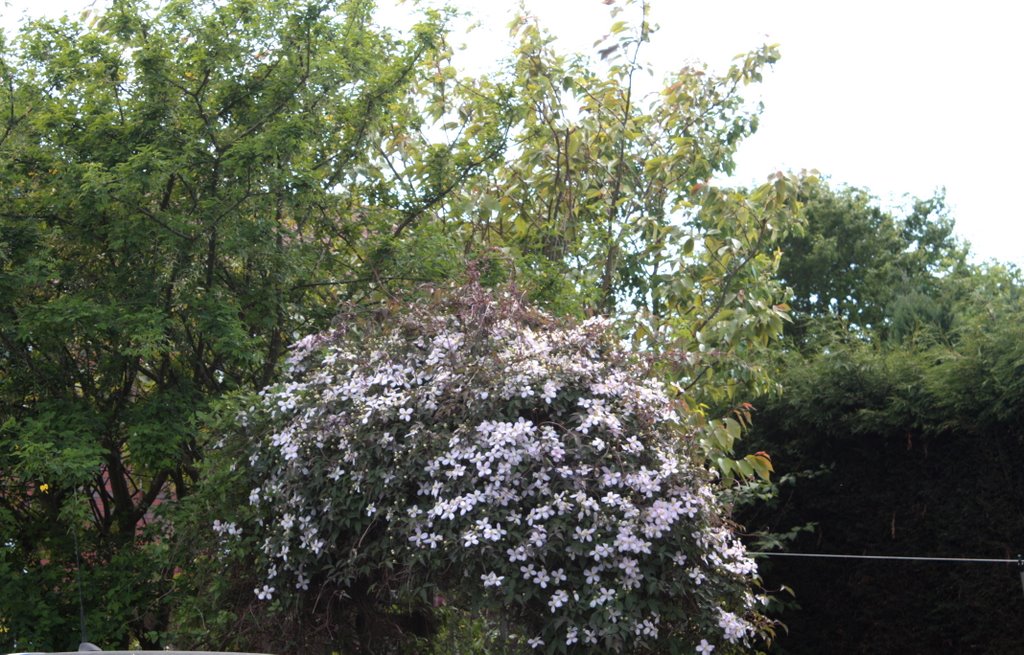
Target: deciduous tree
874,271
177,185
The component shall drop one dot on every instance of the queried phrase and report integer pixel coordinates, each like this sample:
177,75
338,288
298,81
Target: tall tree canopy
174,185
604,197
186,188
865,266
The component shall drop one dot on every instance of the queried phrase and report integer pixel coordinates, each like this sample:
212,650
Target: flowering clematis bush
524,468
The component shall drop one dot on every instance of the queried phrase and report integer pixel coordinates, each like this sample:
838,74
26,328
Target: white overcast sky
897,96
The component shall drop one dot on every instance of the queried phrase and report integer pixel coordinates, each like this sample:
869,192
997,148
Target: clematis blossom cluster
527,467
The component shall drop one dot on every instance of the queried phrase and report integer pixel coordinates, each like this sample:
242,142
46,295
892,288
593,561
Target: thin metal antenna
81,601
84,644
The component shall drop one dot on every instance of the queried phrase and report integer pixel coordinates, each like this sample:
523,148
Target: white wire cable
887,557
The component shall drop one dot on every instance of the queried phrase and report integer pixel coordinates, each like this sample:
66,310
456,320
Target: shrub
479,453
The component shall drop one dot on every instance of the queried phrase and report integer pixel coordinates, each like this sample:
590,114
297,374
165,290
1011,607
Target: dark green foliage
923,445
179,189
873,271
